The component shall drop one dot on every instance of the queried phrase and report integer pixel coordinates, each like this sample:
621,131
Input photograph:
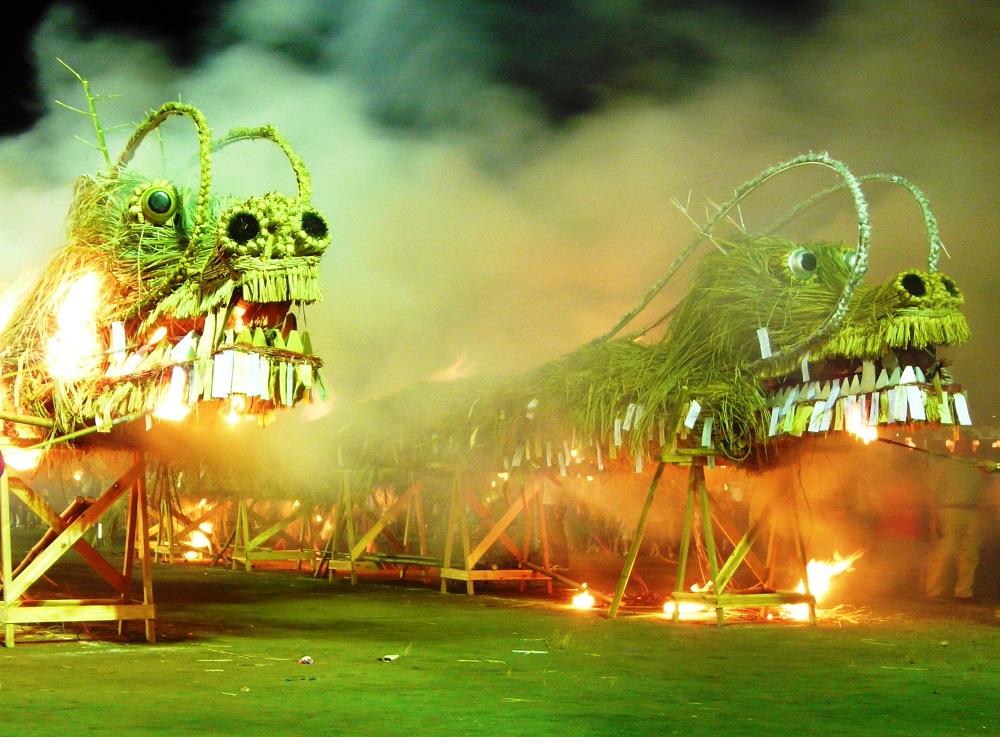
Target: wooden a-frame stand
169,534
247,549
721,573
527,503
65,532
357,558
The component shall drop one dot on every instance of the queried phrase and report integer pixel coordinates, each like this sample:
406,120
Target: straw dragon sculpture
775,339
192,299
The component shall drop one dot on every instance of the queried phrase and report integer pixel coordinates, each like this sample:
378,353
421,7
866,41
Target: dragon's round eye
850,258
313,225
802,263
243,228
159,204
950,287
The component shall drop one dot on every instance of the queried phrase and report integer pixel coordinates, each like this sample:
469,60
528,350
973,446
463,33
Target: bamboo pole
567,581
634,551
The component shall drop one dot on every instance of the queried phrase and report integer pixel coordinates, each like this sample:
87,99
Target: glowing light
687,608
159,334
238,312
199,540
77,475
73,351
21,459
237,406
857,425
192,555
820,574
583,600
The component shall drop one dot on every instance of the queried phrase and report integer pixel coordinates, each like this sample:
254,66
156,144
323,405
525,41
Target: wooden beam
381,522
501,526
68,537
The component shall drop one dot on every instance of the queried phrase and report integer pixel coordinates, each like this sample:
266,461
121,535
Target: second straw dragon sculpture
774,340
166,299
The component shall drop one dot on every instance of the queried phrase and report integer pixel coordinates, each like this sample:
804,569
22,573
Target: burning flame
237,406
199,539
73,351
857,425
820,574
583,600
687,608
21,459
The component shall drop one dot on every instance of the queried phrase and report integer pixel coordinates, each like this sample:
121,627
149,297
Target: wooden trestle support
358,556
715,594
527,503
300,545
64,532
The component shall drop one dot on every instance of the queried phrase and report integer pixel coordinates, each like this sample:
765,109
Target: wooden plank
266,554
142,509
56,611
5,553
449,536
488,574
737,600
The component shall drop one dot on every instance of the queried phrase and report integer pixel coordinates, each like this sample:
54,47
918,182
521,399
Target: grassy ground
226,662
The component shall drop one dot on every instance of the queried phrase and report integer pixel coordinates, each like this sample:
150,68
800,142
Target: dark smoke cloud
499,176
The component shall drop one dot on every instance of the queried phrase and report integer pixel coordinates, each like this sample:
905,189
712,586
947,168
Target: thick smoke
499,179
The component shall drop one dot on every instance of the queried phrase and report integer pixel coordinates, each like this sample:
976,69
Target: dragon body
774,340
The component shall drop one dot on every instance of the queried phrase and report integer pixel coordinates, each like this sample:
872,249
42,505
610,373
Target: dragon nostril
914,284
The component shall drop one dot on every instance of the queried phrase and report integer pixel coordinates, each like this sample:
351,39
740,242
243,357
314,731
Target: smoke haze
499,180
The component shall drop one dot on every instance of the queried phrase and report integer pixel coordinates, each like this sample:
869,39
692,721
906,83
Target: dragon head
165,299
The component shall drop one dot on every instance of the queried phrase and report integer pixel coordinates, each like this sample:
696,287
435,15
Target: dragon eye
243,228
850,258
159,204
313,225
950,287
802,263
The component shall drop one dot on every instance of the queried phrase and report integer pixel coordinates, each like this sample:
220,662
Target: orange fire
687,608
73,350
583,600
857,425
21,459
820,574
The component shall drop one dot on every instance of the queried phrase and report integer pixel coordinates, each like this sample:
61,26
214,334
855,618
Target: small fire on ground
820,574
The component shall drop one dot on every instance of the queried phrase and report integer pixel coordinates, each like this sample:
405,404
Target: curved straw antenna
201,224
930,222
270,133
833,321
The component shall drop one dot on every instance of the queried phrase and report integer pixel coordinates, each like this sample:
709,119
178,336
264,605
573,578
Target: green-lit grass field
226,662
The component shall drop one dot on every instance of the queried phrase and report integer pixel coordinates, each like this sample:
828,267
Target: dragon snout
271,227
926,289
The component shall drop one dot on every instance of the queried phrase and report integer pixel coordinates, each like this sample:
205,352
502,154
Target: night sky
499,176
